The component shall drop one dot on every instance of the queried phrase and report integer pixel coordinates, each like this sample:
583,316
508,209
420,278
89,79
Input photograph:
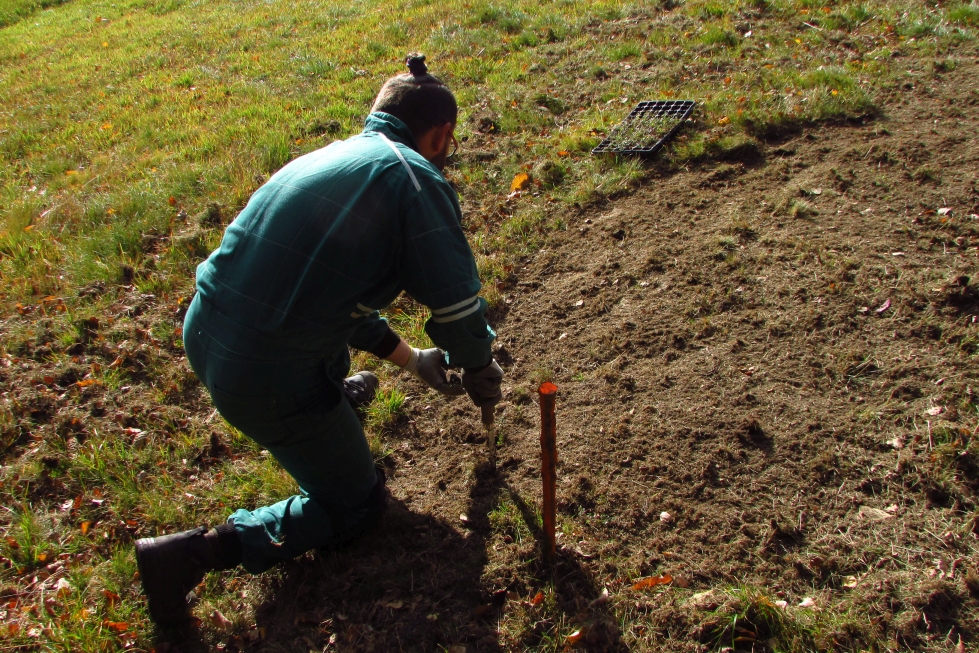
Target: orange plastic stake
548,448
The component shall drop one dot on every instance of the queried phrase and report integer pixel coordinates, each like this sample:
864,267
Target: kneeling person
300,274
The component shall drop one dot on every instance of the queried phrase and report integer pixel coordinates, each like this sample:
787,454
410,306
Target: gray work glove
483,384
428,366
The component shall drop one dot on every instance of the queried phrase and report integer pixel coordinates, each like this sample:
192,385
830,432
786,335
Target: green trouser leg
296,409
334,467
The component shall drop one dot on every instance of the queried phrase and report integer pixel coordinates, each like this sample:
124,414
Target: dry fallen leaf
116,626
873,514
219,620
652,581
63,588
851,581
665,517
944,210
538,599
520,182
883,307
897,443
111,597
807,602
934,411
574,637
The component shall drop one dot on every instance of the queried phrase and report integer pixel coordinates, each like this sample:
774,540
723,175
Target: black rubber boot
360,389
171,566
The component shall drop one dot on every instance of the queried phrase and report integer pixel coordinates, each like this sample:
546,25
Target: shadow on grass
418,584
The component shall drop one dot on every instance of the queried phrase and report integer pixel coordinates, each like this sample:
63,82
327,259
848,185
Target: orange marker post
548,448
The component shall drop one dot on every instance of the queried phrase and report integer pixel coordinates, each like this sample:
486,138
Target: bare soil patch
779,353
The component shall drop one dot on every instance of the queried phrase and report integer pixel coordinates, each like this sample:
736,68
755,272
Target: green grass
133,131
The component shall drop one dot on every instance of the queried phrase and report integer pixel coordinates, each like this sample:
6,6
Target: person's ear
440,135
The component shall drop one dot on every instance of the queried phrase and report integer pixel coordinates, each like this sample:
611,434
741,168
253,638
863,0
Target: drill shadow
416,583
573,586
412,584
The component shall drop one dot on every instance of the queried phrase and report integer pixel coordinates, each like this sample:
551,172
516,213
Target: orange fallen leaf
85,526
652,581
574,637
85,383
520,181
538,599
111,597
172,201
563,153
723,121
116,626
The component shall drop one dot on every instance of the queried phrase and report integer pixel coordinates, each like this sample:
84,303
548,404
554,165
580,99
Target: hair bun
416,64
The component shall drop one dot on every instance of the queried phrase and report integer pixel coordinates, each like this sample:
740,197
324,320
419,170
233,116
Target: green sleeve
438,269
468,340
370,332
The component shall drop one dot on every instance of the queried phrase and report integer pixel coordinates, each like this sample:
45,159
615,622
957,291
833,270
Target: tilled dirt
780,356
767,389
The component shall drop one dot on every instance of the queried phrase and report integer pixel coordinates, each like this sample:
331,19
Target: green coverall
300,274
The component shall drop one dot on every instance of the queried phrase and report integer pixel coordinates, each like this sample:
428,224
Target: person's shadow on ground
417,584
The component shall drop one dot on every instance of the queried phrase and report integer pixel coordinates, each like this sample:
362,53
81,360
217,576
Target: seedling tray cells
647,128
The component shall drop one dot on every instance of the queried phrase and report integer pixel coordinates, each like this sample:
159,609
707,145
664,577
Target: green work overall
300,275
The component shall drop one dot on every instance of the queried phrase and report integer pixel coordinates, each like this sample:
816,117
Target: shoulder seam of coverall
404,162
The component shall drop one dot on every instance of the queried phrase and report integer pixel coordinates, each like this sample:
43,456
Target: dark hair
418,99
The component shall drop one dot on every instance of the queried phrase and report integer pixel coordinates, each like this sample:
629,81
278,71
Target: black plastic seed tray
647,128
